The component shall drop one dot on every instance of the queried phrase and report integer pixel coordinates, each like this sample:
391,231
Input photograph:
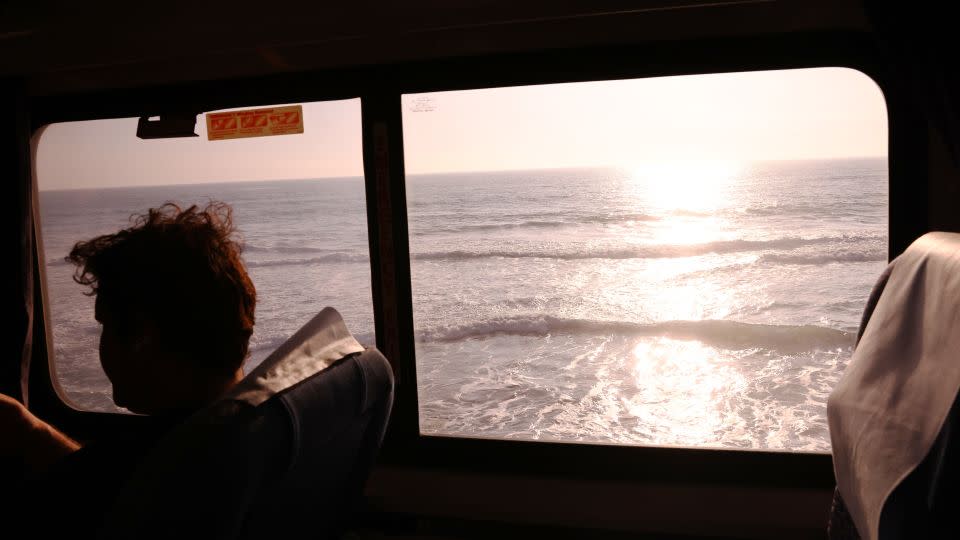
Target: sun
686,196
692,186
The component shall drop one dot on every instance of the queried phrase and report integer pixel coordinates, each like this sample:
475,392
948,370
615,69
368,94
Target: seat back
337,421
893,414
294,463
923,505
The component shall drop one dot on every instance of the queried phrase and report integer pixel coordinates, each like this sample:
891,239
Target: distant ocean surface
713,307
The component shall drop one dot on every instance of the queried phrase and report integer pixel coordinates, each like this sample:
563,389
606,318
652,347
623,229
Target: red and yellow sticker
255,123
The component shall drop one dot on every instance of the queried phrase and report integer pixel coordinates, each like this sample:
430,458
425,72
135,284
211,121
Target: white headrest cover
317,345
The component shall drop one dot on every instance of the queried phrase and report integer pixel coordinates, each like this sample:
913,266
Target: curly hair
181,271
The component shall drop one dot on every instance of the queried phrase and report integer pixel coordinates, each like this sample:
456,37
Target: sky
775,115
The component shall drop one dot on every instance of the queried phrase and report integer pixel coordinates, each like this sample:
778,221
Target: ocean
707,307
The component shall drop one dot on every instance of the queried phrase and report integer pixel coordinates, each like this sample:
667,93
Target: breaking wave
329,258
824,258
253,248
729,335
645,252
539,223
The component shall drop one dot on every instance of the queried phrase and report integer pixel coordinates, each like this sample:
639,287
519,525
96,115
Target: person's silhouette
176,308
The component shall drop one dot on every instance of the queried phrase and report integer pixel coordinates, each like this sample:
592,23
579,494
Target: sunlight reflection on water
678,385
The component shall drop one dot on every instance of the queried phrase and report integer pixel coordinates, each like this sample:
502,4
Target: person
176,309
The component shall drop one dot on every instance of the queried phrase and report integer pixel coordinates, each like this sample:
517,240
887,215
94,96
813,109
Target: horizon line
431,173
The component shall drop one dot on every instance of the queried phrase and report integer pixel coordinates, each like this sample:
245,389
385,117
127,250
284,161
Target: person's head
176,305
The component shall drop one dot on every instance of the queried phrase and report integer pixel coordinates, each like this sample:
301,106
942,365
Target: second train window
676,261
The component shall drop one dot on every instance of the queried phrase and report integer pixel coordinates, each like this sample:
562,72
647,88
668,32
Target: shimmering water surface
673,305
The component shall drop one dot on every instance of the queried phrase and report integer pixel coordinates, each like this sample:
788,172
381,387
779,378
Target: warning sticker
255,123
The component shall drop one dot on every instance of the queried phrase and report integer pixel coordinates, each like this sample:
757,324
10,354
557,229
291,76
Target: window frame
47,399
380,89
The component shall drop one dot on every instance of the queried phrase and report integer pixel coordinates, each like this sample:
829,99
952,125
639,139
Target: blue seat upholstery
337,420
292,466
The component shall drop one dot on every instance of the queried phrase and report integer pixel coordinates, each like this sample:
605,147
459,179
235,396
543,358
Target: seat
894,415
285,455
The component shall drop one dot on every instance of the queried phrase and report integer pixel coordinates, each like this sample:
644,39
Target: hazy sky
795,114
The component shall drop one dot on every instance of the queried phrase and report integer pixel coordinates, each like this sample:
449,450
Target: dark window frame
380,88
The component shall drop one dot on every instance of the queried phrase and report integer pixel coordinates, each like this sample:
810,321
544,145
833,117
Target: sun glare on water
685,198
679,390
686,195
680,384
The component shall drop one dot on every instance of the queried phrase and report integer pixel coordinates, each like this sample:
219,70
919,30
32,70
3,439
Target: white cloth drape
889,406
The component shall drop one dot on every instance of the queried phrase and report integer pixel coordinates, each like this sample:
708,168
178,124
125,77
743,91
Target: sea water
598,305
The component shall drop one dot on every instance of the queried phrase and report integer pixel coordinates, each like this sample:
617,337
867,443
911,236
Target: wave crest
647,252
253,248
824,258
539,223
329,258
788,339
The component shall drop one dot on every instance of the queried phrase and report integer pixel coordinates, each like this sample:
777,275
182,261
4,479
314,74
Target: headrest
317,345
891,402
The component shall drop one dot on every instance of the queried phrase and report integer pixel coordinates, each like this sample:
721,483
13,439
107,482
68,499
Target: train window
674,261
298,203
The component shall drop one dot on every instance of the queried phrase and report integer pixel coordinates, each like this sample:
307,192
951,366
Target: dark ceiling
61,46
